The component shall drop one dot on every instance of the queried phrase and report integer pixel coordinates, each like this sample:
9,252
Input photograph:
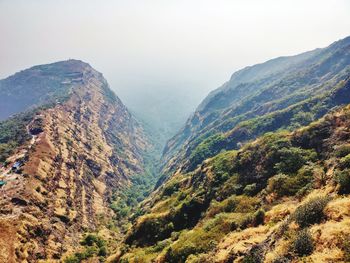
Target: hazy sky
147,48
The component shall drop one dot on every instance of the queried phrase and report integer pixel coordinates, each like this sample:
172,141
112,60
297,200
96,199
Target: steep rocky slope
280,93
259,173
281,198
64,158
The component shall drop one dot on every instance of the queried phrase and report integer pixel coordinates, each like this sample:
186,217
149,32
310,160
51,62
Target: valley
260,172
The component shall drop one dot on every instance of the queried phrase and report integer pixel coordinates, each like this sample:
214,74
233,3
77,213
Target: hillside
282,93
281,198
71,145
259,173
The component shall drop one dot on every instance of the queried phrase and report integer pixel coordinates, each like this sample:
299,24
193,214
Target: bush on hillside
193,243
93,246
170,188
311,212
301,119
345,161
303,243
259,217
255,255
343,179
250,189
287,185
292,159
208,148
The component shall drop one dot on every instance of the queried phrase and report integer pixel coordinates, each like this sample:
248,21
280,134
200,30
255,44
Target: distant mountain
282,93
67,144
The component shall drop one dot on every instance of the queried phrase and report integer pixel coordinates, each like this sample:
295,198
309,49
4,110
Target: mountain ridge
259,173
315,73
82,147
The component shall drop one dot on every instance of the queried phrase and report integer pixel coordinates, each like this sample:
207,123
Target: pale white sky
147,48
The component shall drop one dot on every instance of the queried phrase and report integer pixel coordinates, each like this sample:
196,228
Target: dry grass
281,211
239,242
327,256
338,209
281,248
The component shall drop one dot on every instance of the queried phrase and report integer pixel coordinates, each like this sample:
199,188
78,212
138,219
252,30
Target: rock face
259,99
84,144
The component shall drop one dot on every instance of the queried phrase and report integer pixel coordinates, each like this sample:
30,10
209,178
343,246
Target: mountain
282,93
283,197
259,173
67,144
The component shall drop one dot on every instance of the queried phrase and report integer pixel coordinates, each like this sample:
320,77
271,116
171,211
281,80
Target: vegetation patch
311,212
13,133
343,178
303,243
93,246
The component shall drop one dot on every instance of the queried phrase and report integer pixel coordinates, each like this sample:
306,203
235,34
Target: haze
162,57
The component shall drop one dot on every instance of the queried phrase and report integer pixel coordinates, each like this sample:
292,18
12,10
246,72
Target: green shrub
343,178
91,239
207,148
311,212
13,133
149,230
301,118
279,184
292,159
72,259
230,187
170,188
303,243
192,243
259,217
287,185
102,252
245,221
250,189
246,204
345,161
228,205
255,255
161,245
93,246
